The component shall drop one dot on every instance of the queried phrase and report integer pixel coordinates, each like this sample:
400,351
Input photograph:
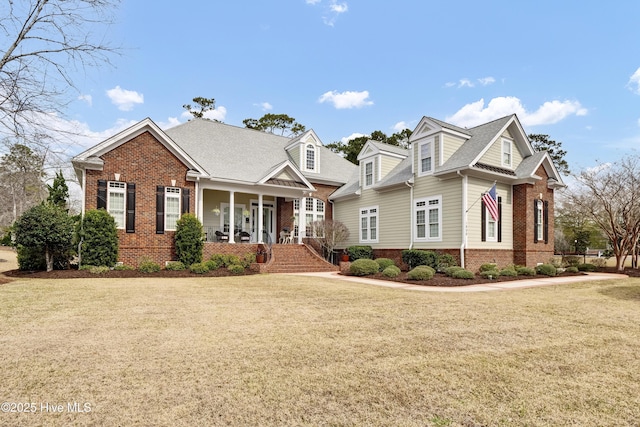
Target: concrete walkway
497,286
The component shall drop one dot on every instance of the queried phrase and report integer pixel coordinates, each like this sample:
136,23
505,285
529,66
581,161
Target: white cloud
400,126
265,106
312,1
218,114
346,139
124,99
169,123
331,11
465,83
634,82
86,98
347,99
338,8
449,84
548,113
486,81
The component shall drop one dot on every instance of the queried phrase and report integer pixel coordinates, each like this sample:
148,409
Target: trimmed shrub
217,260
572,269
525,271
490,274
510,272
449,271
488,266
189,239
231,260
30,259
364,267
445,261
587,267
212,265
148,266
546,270
360,252
99,238
198,268
571,260
461,273
249,258
175,266
416,257
236,268
391,271
384,263
122,267
421,272
99,269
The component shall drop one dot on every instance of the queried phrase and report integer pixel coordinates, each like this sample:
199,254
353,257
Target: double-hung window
314,211
368,174
506,153
116,202
425,151
369,225
539,220
310,152
171,207
428,219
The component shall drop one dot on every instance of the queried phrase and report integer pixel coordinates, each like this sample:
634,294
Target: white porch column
232,216
302,219
199,203
260,218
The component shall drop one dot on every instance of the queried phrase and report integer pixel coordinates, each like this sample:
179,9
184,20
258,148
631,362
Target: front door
268,222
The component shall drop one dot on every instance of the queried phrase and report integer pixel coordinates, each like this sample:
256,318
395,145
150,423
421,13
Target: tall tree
276,123
202,105
352,148
58,191
554,148
44,43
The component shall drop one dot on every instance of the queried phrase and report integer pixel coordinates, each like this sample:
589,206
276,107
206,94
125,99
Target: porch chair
222,237
244,237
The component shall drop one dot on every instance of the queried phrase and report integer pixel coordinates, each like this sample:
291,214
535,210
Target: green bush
510,272
249,258
99,236
213,265
360,252
148,266
546,270
175,266
461,273
384,263
231,260
525,271
488,266
122,267
416,257
391,271
586,267
98,269
445,261
571,260
198,268
217,260
364,267
236,268
421,272
490,274
449,271
189,239
30,259
572,269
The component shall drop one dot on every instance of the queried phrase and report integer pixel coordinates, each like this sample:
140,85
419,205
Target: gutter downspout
409,184
463,243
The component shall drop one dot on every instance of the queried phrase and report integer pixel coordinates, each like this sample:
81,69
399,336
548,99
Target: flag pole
481,194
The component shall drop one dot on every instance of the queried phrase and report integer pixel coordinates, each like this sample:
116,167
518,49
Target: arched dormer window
310,157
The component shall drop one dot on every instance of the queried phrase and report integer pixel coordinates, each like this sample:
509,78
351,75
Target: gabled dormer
432,143
305,151
376,160
508,147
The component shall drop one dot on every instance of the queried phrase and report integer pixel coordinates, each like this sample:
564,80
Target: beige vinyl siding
295,155
493,156
516,155
474,217
387,163
450,145
394,217
451,212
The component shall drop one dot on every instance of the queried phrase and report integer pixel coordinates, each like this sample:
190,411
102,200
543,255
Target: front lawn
294,350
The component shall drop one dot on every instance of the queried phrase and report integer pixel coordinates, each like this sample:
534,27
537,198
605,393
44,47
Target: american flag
490,200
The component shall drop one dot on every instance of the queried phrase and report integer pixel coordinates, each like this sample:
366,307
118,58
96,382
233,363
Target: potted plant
345,256
260,256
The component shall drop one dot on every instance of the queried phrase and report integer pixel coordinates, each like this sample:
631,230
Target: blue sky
569,69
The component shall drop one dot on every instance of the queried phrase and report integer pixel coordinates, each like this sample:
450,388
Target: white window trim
369,215
315,214
373,173
120,187
426,208
170,192
540,230
502,153
306,148
488,220
430,141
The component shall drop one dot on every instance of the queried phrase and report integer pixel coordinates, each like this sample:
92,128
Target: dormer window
506,152
425,152
368,174
310,159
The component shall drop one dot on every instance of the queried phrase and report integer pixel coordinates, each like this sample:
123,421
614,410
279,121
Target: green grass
289,350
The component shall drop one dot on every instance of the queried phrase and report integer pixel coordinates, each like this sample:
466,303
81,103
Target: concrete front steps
295,258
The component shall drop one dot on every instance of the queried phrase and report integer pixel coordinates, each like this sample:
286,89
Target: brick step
297,259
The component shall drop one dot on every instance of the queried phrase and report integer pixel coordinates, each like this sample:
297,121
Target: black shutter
483,221
185,200
159,209
131,208
535,221
499,219
101,203
545,219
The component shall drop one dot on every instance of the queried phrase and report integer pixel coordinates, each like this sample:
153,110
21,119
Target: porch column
260,218
302,219
232,216
199,196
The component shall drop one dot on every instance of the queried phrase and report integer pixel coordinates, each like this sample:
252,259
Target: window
116,202
369,225
368,174
506,152
171,207
426,158
491,229
428,219
539,221
314,211
311,157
